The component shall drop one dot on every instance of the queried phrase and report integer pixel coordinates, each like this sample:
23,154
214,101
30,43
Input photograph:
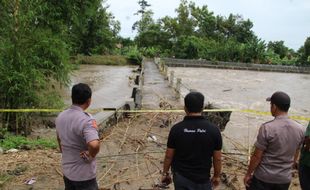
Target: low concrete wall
234,65
137,90
107,118
164,71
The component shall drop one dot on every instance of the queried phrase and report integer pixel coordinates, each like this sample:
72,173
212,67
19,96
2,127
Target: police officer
78,140
276,148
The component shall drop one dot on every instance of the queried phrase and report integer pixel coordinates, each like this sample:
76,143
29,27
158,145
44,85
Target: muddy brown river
246,90
110,84
227,88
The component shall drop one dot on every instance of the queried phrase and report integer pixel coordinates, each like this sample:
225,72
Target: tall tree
235,27
31,57
143,7
145,23
195,32
254,51
146,17
205,20
93,29
186,24
149,32
304,53
307,50
154,36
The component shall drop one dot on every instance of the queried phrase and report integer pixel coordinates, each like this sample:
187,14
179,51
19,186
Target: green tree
150,33
31,58
86,26
307,47
143,6
183,24
195,32
154,36
146,17
254,51
279,48
205,20
145,23
304,53
186,24
244,31
234,27
93,29
189,47
125,41
170,25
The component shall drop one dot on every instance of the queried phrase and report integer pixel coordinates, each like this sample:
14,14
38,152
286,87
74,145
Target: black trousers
81,185
257,184
304,177
182,183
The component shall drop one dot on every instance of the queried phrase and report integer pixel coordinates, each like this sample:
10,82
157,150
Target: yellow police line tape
255,112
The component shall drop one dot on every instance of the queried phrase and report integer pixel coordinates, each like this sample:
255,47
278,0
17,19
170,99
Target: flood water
246,90
111,85
226,88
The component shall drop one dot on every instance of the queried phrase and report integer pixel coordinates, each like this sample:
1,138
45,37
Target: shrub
150,52
273,58
102,60
133,55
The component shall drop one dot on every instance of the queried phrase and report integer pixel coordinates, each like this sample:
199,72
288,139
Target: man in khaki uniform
276,149
78,140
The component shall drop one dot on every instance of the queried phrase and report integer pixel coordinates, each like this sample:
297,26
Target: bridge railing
234,65
175,83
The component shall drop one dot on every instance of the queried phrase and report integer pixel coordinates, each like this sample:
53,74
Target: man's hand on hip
86,156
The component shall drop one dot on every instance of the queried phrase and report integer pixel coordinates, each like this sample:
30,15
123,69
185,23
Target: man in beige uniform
276,149
78,139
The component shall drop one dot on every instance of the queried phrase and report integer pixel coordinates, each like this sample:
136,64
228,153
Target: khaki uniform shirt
75,129
279,139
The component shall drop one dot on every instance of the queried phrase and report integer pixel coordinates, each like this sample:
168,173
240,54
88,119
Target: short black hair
80,93
194,102
281,100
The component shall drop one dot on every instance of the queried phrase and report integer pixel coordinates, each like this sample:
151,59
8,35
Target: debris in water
227,90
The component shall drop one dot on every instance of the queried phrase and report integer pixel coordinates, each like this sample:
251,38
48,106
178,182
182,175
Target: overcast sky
274,20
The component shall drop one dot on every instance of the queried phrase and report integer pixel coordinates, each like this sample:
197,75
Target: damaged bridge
133,148
133,138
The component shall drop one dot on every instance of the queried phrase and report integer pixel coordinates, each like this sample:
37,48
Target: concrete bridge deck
155,89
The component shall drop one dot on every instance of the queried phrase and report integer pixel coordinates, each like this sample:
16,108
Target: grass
116,60
4,177
20,142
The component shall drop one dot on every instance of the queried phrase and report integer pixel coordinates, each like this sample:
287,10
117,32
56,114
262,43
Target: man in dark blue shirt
193,144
